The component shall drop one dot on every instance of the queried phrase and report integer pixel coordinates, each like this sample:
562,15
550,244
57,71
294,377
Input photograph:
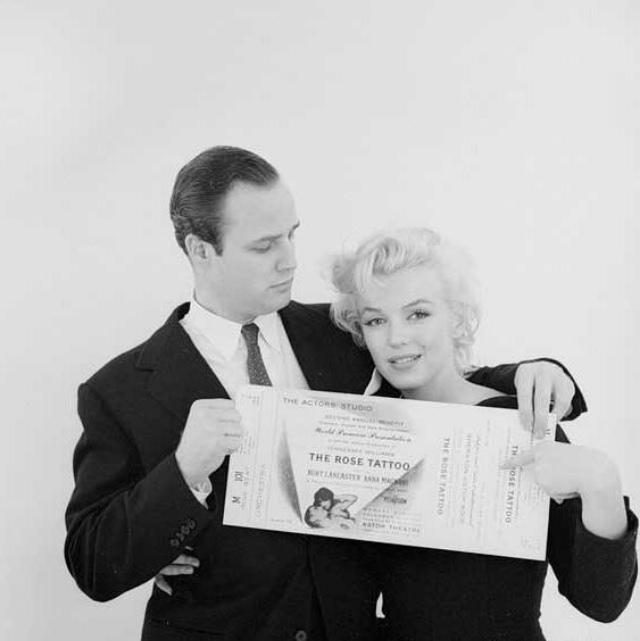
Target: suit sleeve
502,379
123,525
595,574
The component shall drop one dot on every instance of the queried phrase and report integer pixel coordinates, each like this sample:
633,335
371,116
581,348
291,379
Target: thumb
523,458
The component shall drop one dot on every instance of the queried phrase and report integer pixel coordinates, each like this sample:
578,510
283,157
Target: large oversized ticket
385,470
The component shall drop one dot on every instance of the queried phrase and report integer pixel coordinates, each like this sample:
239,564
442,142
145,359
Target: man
151,464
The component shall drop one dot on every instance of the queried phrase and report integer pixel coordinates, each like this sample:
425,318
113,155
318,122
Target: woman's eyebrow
419,301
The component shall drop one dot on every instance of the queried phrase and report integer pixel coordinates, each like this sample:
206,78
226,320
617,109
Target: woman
410,298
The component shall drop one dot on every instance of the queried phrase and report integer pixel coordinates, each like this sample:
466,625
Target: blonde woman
410,298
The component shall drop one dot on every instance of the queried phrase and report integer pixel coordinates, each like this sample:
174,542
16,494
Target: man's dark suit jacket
131,512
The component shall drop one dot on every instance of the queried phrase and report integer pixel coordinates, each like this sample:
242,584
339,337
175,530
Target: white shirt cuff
201,492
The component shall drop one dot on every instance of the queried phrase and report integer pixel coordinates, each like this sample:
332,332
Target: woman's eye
419,314
372,322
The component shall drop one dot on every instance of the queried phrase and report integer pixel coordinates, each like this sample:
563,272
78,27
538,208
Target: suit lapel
304,336
328,358
180,374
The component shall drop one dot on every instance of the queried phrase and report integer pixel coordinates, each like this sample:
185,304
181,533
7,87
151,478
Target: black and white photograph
420,203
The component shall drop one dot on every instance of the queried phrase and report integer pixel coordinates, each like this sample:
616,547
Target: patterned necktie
255,365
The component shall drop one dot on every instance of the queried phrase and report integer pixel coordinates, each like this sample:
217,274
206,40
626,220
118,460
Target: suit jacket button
301,635
174,543
191,524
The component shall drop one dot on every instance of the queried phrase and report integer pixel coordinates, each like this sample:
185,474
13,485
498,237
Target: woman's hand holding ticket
565,471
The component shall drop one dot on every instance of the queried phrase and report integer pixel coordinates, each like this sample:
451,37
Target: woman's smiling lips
404,361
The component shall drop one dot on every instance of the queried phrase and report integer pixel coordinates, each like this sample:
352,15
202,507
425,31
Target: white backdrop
511,127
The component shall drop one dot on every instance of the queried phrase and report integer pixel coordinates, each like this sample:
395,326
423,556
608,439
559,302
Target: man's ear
198,250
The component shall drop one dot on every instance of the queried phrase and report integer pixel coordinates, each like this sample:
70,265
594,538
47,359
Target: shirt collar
269,329
224,334
374,383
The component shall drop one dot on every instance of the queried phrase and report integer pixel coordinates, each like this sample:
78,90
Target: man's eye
262,249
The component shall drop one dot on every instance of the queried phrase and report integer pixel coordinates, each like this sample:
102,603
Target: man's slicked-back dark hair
202,184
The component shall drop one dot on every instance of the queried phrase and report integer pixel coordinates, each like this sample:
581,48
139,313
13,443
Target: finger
232,449
524,390
214,403
541,402
232,444
228,429
229,442
162,584
523,458
177,570
221,423
561,400
560,498
184,559
233,431
566,495
228,416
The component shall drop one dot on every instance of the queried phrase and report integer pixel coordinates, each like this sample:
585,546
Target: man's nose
287,259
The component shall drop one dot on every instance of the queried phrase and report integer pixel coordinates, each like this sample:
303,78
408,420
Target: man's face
254,273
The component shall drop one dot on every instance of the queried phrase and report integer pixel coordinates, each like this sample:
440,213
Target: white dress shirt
222,346
220,343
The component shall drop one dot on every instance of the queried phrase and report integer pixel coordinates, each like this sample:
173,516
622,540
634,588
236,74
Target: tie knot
250,333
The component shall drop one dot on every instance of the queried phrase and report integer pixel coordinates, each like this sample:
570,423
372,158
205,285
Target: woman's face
408,329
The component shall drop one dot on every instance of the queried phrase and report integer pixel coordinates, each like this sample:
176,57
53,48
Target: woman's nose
397,334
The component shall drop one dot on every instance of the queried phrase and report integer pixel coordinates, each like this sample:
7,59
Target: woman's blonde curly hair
392,251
